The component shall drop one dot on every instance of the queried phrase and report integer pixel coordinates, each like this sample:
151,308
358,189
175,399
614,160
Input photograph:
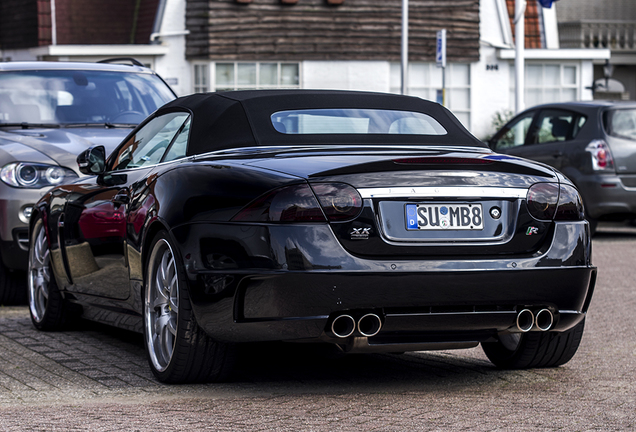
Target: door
538,135
97,220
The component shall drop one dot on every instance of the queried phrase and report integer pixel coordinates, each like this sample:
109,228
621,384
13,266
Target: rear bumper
606,195
305,278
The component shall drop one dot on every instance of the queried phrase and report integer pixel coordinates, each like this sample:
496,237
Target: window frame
257,85
561,87
201,80
433,81
120,150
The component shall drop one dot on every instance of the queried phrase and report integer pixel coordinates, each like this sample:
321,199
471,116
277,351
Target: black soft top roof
243,119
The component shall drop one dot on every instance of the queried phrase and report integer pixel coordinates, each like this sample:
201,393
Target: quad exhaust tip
368,325
343,326
542,320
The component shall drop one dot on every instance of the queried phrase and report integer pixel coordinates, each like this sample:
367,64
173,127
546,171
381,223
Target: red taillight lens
338,200
551,201
570,204
298,203
288,204
601,156
441,160
542,200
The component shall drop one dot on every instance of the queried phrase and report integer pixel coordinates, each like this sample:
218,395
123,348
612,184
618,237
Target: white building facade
475,91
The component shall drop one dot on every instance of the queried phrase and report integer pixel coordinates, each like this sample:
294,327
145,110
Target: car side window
555,126
180,144
514,133
149,144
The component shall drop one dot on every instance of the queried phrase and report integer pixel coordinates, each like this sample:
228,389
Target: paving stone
50,380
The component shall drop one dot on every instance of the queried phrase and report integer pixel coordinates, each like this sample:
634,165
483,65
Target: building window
426,78
547,83
201,78
257,75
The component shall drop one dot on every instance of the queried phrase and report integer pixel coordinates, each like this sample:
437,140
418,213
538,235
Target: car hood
57,145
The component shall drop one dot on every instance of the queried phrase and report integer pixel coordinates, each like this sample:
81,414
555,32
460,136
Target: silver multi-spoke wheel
179,350
161,305
39,274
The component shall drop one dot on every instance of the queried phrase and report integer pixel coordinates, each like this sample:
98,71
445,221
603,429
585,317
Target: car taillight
601,156
338,200
297,203
551,201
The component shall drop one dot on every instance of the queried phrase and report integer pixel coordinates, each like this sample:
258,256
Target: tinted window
77,97
514,133
180,145
355,121
621,123
149,144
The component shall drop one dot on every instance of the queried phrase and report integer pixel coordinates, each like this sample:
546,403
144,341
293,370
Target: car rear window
355,121
621,123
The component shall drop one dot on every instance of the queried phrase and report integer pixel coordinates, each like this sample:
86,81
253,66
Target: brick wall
27,23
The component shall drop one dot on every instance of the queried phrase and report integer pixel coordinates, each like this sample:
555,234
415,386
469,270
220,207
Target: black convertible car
371,222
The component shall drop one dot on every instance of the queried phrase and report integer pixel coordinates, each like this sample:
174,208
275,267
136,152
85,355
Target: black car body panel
263,280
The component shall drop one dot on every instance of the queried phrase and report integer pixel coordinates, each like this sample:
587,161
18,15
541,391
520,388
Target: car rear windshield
355,121
79,96
621,123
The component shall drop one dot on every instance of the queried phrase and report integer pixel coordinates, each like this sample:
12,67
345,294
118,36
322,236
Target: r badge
532,231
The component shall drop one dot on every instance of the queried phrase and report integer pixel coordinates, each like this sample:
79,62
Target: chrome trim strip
451,313
445,192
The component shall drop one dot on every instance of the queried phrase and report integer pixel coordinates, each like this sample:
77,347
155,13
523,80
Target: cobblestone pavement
97,379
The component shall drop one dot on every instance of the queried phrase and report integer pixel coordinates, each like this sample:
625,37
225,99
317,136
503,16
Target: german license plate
456,216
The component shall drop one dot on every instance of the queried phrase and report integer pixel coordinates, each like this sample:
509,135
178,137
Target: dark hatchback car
363,222
49,112
592,143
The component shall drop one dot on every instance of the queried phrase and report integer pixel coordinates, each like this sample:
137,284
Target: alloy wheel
161,305
39,275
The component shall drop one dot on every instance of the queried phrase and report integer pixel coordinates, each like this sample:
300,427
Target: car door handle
557,155
121,198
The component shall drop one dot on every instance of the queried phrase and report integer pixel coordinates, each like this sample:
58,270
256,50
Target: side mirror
92,161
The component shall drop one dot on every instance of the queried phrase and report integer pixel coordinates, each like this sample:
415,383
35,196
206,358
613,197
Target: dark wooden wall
314,30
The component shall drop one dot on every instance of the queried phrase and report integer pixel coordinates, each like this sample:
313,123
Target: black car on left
364,222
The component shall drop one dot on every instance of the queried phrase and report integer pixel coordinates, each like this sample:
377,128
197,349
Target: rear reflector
442,161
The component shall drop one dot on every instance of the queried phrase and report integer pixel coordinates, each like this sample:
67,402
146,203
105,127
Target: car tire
47,307
13,287
178,349
534,349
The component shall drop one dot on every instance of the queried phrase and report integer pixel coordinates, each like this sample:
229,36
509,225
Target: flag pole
520,39
405,46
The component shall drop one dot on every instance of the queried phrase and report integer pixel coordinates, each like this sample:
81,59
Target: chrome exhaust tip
525,320
343,326
544,319
369,325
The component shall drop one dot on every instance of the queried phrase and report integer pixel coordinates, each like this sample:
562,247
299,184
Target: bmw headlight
35,176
